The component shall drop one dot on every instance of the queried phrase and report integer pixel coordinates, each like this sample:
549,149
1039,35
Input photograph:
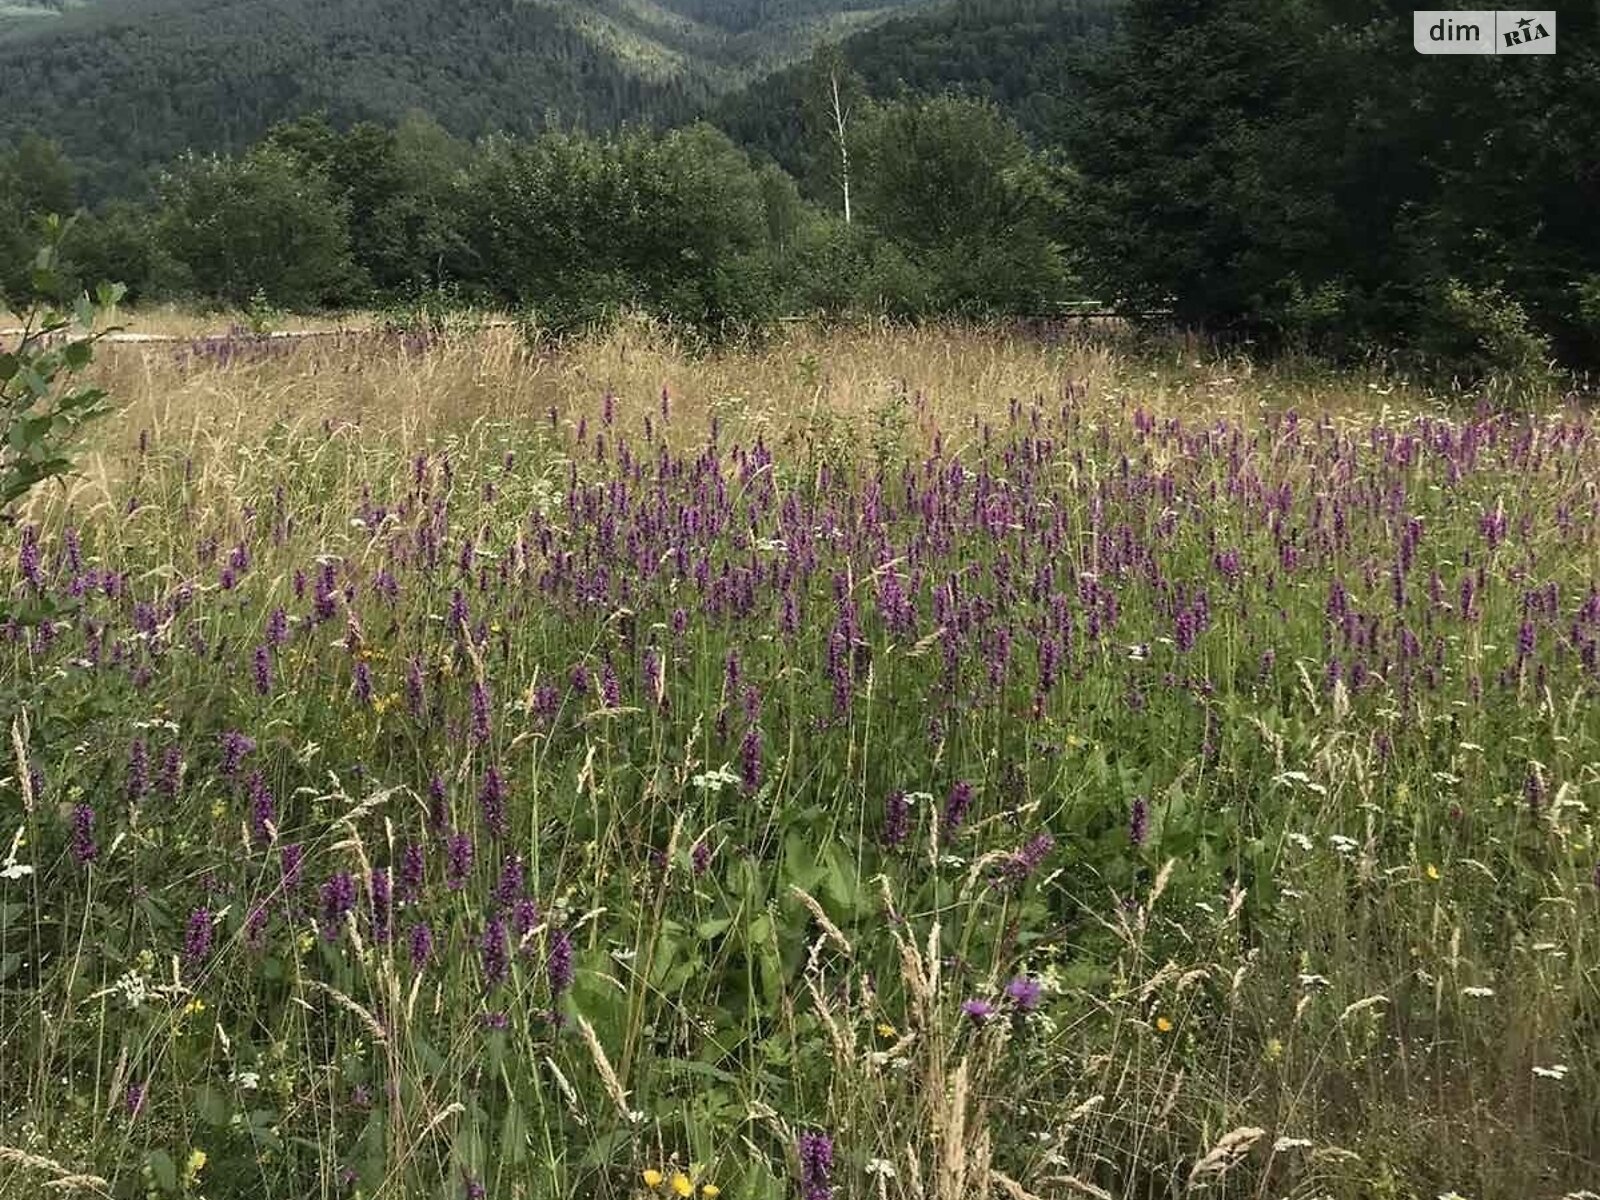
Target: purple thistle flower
1025,993
84,850
420,945
977,1011
816,1165
493,947
558,962
957,805
338,901
458,861
492,798
197,937
1139,821
263,809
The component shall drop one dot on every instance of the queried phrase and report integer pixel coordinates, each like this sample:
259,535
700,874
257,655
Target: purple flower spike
957,805
197,937
338,899
558,967
816,1165
421,945
896,819
1139,821
84,849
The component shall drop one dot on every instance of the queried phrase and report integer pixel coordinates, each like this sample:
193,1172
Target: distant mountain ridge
125,85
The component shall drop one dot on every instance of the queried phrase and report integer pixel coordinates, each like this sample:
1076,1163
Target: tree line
956,214
1286,172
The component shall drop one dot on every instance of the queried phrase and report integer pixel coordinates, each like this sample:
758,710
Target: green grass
1349,951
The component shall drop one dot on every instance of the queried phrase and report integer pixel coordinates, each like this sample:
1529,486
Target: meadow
916,764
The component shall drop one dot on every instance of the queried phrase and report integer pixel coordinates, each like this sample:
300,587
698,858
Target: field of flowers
906,765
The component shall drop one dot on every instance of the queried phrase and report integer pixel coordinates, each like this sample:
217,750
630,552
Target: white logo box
1484,31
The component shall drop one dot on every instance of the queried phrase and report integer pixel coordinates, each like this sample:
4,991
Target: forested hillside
127,84
1021,54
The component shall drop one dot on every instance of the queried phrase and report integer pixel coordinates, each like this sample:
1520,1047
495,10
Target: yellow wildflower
196,1005
1163,1025
681,1184
196,1164
1274,1050
710,1191
1433,871
653,1178
886,1030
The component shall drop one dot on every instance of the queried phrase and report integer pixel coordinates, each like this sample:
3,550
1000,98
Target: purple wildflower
1023,862
524,916
896,819
293,857
957,805
1025,993
197,937
513,875
413,871
458,861
816,1165
480,713
700,857
171,777
382,904
133,1100
493,947
492,798
138,771
338,900
750,759
1139,821
235,746
263,809
558,962
263,670
977,1011
84,849
421,945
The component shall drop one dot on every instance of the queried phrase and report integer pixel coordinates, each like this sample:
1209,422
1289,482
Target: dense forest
1290,173
126,86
